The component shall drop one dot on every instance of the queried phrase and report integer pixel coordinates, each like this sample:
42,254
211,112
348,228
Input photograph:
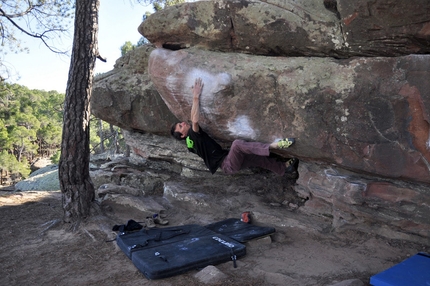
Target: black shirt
207,149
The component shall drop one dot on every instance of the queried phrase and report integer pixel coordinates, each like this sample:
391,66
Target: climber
241,155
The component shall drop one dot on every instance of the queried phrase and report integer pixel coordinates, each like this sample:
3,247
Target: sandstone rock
210,275
255,27
45,179
146,206
44,169
101,177
385,28
351,200
341,28
40,163
362,124
117,189
164,149
369,115
180,192
127,98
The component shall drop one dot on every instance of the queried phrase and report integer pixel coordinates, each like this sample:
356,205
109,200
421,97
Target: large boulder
255,27
393,209
341,28
370,115
385,27
361,123
127,98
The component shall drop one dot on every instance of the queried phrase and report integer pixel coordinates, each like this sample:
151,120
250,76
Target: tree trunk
75,181
114,134
102,138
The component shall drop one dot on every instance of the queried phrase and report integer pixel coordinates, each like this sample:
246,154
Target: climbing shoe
158,220
285,143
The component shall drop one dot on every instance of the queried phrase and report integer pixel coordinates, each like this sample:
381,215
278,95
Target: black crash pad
192,253
240,231
146,238
164,252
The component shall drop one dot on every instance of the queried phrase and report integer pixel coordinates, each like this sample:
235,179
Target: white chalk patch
241,127
212,83
166,56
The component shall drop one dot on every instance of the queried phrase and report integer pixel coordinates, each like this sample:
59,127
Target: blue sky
45,70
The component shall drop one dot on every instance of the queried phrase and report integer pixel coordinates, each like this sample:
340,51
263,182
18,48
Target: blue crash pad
412,271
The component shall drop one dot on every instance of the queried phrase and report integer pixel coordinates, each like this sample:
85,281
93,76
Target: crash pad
239,230
412,271
168,251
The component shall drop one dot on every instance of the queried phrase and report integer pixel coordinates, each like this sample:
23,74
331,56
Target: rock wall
365,114
361,122
127,98
334,28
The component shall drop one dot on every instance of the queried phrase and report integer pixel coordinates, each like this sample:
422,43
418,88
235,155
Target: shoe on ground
162,214
159,220
285,143
149,222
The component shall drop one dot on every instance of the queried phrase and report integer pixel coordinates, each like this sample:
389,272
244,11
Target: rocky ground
39,249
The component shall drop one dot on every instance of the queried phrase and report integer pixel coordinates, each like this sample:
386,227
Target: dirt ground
38,249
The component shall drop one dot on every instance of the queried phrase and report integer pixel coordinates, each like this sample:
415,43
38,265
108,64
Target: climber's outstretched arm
195,109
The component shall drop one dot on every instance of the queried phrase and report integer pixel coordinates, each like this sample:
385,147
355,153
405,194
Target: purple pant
244,154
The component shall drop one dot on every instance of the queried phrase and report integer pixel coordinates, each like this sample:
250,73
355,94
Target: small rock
40,163
293,206
275,204
210,275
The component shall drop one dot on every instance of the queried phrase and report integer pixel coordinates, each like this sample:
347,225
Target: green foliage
128,46
9,163
105,137
161,4
56,157
5,141
30,125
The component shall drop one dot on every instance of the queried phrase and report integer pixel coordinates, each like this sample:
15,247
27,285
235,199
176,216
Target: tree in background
128,46
106,138
29,126
161,4
42,19
75,181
